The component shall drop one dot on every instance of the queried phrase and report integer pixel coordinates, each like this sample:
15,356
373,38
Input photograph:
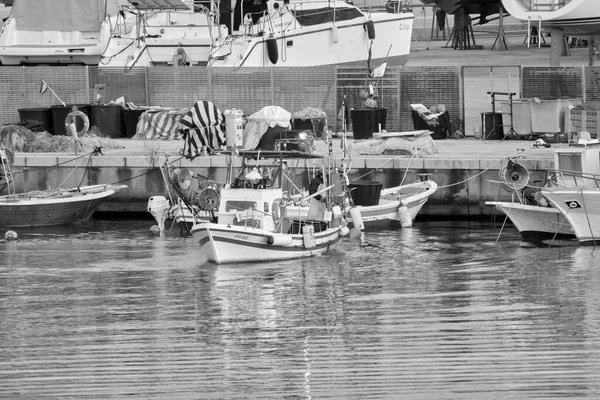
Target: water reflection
435,311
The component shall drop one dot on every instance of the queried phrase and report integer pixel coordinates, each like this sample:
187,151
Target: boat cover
160,124
260,121
62,15
202,126
322,15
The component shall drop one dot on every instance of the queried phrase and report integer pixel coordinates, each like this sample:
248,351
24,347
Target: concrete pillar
557,47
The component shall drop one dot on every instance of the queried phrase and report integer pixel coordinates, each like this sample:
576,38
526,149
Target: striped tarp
202,126
160,124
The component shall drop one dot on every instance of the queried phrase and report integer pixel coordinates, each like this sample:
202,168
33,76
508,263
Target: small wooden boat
51,207
399,204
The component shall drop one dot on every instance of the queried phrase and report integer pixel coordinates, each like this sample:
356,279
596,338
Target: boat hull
536,223
298,49
413,196
52,211
232,244
578,17
581,207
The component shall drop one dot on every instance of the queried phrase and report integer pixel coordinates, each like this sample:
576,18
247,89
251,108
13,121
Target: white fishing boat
542,213
148,33
259,222
55,32
313,33
535,223
398,205
581,207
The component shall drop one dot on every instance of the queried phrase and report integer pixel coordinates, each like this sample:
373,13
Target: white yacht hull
315,45
576,17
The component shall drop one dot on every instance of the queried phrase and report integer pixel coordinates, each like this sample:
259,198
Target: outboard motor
159,206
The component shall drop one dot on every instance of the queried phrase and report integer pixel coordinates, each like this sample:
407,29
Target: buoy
279,240
404,216
11,235
155,230
356,216
71,124
272,49
370,26
344,231
334,34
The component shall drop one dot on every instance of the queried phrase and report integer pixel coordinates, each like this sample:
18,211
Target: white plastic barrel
234,128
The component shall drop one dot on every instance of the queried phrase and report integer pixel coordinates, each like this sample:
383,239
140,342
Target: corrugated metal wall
553,82
429,86
463,90
477,82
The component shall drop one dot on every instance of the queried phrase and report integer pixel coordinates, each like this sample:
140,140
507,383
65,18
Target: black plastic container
42,115
59,115
365,192
365,121
130,120
492,126
109,119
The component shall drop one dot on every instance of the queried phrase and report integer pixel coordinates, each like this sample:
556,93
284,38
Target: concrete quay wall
467,172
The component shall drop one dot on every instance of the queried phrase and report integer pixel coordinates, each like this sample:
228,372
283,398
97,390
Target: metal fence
463,90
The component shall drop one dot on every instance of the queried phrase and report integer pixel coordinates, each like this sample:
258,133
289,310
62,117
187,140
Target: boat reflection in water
440,310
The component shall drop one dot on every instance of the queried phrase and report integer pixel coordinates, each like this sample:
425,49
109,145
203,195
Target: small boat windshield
548,5
315,16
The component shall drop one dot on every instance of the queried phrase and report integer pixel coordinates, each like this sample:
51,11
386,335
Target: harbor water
442,310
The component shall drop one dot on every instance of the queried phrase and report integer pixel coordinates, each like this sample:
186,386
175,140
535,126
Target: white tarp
260,121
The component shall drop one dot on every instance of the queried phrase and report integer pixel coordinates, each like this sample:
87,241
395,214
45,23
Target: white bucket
234,128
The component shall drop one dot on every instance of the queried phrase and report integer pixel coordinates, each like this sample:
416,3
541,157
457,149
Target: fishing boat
560,208
257,220
580,206
55,32
148,33
397,205
50,207
314,33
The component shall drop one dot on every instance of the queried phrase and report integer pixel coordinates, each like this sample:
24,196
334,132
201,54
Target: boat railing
570,179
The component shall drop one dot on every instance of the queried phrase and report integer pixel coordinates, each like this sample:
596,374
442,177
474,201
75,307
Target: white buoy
11,235
334,33
155,230
158,206
358,223
404,216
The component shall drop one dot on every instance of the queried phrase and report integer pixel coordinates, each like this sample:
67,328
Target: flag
343,115
44,87
379,71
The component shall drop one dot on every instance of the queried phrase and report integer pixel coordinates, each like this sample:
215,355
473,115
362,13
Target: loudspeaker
515,176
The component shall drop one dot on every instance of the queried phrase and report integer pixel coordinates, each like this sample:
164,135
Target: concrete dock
465,169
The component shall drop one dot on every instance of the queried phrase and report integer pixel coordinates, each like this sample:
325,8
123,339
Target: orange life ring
71,119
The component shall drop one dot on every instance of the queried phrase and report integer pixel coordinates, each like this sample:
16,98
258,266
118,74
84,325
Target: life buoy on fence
370,26
72,120
272,49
